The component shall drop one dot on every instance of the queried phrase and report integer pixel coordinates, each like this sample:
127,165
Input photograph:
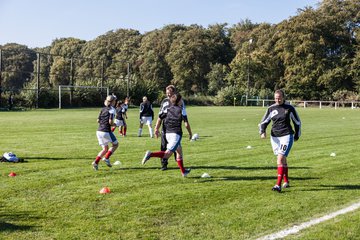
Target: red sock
125,130
160,154
113,129
108,154
286,179
181,165
97,159
280,171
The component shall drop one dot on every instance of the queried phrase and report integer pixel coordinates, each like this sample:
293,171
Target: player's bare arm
157,127
188,128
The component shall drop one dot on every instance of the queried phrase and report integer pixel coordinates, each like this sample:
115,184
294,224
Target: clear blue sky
36,23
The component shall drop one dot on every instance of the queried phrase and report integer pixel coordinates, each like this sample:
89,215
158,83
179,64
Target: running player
170,91
119,118
172,120
282,134
125,107
104,133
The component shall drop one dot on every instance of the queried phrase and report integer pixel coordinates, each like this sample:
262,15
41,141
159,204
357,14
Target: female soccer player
170,90
172,119
146,116
119,118
104,133
282,134
125,107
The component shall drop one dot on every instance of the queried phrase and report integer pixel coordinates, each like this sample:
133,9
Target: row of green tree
313,55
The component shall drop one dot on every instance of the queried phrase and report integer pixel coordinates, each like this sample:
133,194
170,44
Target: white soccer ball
117,162
205,175
195,137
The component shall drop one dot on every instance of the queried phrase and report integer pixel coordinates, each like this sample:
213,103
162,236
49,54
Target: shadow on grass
342,187
14,217
46,158
12,227
332,187
244,168
250,178
139,168
210,167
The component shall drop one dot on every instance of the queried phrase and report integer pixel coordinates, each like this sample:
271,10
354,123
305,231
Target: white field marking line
297,228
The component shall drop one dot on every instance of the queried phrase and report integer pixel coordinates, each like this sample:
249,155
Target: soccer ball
195,137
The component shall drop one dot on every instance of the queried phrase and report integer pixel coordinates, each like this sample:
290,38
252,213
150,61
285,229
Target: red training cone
105,190
12,174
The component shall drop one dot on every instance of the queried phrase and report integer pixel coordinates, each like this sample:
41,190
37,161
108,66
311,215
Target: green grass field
55,194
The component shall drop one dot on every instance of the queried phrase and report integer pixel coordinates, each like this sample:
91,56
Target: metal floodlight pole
127,79
71,80
102,73
59,96
248,72
37,79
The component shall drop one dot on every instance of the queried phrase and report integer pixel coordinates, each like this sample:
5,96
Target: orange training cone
12,174
105,190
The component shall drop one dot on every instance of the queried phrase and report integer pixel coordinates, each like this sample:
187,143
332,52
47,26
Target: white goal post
71,86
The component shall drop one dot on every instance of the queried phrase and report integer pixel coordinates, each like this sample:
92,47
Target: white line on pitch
297,228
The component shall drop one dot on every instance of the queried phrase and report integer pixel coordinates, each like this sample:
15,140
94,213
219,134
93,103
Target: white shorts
174,141
146,120
119,123
105,138
282,145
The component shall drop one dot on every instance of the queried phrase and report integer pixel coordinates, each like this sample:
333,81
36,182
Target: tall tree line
313,55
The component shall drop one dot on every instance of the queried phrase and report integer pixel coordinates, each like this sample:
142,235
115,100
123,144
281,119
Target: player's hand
296,138
263,136
156,133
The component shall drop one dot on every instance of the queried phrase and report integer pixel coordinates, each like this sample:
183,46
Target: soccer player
146,116
119,118
170,91
172,120
125,107
282,134
104,133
